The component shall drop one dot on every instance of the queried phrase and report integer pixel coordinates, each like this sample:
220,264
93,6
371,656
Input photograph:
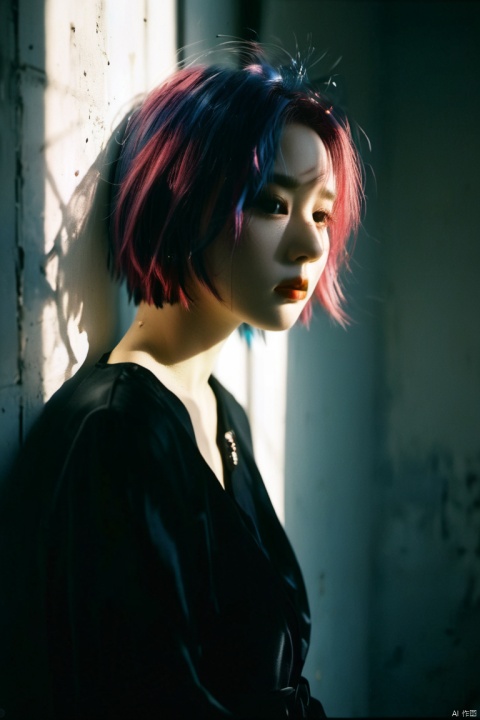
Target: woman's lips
293,289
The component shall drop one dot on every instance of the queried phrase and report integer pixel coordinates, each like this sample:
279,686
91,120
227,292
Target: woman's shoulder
116,388
126,394
112,422
110,406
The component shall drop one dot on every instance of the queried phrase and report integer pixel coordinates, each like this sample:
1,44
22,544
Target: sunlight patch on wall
99,57
256,376
268,400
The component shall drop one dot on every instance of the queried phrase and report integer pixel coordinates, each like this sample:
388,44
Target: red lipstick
293,288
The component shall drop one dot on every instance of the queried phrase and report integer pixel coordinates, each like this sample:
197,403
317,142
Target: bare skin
180,348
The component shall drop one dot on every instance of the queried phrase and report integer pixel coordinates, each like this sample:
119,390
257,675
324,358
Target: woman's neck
179,346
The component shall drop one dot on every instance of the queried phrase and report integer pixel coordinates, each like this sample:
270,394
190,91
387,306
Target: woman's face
269,276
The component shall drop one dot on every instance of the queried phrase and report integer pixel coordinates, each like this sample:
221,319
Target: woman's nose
307,242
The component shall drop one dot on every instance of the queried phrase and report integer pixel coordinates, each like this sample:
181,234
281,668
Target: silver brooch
231,449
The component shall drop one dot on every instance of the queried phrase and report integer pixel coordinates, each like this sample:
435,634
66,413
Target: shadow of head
86,295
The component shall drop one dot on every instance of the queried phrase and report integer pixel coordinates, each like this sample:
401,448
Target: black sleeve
120,636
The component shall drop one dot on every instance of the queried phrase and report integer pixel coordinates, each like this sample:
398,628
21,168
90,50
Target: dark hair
195,155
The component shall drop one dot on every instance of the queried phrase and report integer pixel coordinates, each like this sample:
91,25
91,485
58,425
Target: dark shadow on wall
10,252
383,441
22,167
85,290
425,630
204,30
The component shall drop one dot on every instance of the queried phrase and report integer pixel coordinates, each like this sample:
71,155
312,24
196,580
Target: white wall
100,55
70,70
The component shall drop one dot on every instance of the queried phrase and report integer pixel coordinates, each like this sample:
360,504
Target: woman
150,576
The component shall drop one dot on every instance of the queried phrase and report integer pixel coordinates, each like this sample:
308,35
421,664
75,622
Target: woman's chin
278,322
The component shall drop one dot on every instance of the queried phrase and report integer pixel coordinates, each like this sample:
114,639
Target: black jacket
132,584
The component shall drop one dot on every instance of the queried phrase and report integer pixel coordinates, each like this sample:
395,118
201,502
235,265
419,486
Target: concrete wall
426,609
10,255
67,72
383,444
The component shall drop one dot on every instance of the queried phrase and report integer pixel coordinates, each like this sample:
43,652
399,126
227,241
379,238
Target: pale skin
286,238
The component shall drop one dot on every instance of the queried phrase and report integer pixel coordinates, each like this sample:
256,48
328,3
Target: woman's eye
272,205
322,217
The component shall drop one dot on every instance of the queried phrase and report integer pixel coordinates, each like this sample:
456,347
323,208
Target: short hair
195,155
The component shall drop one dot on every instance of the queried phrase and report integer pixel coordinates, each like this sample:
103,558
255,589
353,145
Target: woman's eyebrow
289,182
